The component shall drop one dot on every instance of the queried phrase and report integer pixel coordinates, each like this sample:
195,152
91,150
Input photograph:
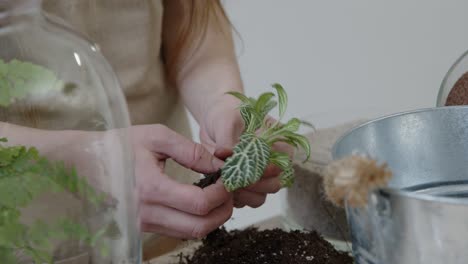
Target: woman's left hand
219,132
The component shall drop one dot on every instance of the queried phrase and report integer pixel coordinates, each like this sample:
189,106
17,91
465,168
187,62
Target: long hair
195,16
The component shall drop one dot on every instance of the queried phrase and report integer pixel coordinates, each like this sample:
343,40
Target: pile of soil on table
276,246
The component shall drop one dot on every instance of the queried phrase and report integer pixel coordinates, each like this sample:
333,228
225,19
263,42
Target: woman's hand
168,207
220,132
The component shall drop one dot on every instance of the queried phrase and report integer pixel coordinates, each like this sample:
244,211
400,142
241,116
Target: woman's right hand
166,206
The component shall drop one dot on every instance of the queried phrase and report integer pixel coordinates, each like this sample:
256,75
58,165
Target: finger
284,147
238,205
223,153
152,228
267,185
188,198
228,136
248,198
170,221
184,151
209,144
271,171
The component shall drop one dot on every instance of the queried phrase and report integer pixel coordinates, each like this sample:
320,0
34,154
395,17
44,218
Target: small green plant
18,79
255,151
25,175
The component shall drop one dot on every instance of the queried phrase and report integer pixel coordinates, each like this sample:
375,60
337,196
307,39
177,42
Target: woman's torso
128,33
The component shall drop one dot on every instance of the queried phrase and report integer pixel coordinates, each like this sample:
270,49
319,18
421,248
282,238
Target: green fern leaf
18,79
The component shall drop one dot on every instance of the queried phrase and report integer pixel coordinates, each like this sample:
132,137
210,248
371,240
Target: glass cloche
67,191
454,88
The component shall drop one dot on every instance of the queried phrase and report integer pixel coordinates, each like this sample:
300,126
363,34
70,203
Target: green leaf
287,177
252,119
7,256
262,101
18,79
39,256
280,159
24,176
300,140
283,161
308,124
268,107
282,99
247,164
39,234
241,97
8,155
291,126
248,110
247,116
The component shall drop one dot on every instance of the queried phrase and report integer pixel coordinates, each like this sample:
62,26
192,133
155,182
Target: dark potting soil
208,179
276,246
459,93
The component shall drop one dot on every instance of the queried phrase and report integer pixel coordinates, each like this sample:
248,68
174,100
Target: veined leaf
248,163
291,126
280,159
308,124
295,140
268,107
300,140
287,177
262,101
244,99
282,99
283,161
252,120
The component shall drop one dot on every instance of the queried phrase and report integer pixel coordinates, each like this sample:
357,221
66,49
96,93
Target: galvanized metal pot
422,217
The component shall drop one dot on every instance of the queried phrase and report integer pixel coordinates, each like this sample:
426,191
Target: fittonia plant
255,151
25,175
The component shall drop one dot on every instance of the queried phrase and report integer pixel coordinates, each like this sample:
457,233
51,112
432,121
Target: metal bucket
422,217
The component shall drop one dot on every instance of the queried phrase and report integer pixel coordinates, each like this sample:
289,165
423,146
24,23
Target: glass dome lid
67,191
454,88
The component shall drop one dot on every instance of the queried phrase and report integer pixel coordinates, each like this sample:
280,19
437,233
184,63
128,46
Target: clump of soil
208,179
459,93
275,246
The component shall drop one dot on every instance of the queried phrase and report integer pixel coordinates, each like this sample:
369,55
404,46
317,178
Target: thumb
227,136
223,153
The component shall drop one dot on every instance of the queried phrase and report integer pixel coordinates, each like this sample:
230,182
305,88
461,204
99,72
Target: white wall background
342,58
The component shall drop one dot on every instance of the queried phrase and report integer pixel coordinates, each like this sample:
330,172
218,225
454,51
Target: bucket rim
389,191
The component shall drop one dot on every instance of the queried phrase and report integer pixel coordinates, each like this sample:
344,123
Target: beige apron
128,32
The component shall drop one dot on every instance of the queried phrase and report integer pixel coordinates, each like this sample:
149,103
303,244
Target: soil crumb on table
275,246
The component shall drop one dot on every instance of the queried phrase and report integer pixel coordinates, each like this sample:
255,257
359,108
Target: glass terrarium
454,88
67,191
